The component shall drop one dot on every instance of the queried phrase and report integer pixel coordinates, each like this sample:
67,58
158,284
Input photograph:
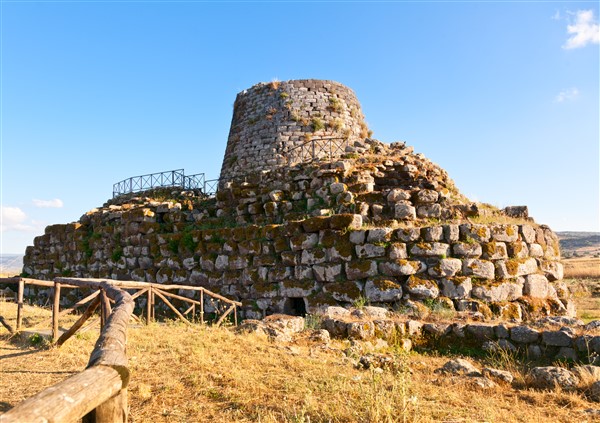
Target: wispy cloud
556,16
48,204
567,95
13,219
584,31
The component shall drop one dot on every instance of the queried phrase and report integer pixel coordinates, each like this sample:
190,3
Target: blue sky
504,96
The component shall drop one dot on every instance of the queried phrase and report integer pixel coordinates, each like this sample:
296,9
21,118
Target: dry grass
578,268
586,294
184,374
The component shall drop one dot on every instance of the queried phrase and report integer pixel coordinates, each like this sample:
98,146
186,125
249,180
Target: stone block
361,269
404,211
369,251
327,272
400,267
430,249
478,268
536,286
382,289
456,287
470,250
524,335
445,268
429,211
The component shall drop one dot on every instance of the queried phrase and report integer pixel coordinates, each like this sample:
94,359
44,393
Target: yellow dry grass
585,267
190,374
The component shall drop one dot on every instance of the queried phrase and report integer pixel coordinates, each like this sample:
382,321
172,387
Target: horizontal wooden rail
99,393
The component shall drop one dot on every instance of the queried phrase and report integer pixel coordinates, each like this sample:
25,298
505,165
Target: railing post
113,410
20,303
149,306
104,308
202,306
55,311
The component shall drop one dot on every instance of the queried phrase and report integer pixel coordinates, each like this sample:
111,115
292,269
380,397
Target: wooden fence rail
99,393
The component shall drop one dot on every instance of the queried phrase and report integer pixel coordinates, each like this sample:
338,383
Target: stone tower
272,120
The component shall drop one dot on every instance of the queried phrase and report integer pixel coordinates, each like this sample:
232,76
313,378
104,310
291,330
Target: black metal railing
319,148
171,178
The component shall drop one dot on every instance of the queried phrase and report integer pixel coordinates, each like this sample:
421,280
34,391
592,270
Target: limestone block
457,287
451,233
292,288
313,256
395,195
553,270
494,250
426,196
397,251
358,237
528,233
303,272
346,291
361,269
327,272
479,332
536,250
379,235
551,377
361,330
346,221
507,291
401,267
504,233
446,267
518,249
404,211
524,334
408,234
429,211
383,289
369,251
422,288
337,188
536,286
557,338
478,268
463,249
315,224
303,241
430,249
475,232
433,233
222,262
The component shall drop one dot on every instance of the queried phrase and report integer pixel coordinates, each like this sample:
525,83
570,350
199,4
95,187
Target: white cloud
13,218
584,31
556,16
48,204
567,95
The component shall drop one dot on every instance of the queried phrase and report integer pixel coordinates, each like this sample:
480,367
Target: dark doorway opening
295,306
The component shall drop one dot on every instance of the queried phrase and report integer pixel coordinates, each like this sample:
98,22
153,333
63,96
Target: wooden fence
99,393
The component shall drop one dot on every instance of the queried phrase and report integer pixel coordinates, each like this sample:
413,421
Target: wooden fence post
55,311
202,307
20,304
149,306
104,308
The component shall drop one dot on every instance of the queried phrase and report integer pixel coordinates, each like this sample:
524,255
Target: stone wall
270,119
507,269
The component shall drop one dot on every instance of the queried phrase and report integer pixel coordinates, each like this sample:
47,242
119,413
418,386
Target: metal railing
170,178
318,148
